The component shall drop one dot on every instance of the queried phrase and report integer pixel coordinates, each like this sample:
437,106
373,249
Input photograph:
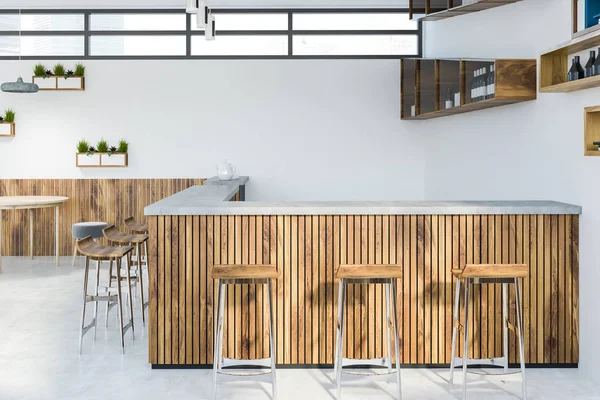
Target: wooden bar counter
197,228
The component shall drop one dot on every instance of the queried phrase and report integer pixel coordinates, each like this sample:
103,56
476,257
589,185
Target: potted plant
116,156
86,155
7,123
73,79
43,77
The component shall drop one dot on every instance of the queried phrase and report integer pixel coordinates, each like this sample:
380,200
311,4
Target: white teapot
225,171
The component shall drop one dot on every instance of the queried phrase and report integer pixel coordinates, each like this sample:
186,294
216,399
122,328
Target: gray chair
82,230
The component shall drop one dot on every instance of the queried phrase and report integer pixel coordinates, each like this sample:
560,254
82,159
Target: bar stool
473,274
137,227
82,230
95,251
113,235
368,274
240,275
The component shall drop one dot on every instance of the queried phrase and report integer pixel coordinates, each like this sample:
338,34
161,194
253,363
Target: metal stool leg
388,322
521,344
466,337
505,325
340,364
455,330
338,331
271,340
120,305
96,293
216,341
85,284
396,341
130,298
74,252
108,306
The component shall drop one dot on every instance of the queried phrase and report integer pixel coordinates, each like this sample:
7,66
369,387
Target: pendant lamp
202,14
210,31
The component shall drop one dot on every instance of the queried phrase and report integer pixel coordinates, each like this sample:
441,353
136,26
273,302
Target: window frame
189,33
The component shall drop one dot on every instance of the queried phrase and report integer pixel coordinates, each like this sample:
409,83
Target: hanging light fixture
19,86
210,31
191,6
202,14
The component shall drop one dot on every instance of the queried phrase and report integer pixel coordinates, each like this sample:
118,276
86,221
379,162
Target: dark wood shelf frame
435,10
515,82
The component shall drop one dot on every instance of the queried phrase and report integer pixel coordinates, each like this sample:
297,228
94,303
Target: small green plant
102,146
82,146
123,146
59,70
39,70
79,70
9,115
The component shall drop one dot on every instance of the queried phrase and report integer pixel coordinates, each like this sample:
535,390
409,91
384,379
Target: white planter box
45,83
7,129
116,160
83,160
73,83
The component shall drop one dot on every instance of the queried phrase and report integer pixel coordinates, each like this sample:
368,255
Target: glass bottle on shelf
596,66
474,84
576,72
483,90
589,66
449,99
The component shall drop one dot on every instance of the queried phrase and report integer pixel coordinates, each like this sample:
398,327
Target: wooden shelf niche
434,10
7,129
554,66
426,83
591,130
59,82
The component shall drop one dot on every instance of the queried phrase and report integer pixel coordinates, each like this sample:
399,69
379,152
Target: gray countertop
213,199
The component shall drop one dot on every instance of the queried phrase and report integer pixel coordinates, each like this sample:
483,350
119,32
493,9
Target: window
241,33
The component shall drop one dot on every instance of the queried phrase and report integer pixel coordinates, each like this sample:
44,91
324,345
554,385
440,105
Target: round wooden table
30,203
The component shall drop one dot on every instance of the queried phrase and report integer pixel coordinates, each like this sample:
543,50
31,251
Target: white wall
532,150
310,129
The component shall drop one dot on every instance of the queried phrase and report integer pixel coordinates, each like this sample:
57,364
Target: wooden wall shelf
59,82
7,129
554,66
426,83
591,131
434,10
101,160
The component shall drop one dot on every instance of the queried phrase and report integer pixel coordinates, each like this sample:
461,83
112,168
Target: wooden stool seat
135,226
245,271
367,271
116,236
492,271
89,248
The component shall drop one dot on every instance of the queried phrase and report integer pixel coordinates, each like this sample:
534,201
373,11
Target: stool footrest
101,297
499,361
260,362
88,327
374,362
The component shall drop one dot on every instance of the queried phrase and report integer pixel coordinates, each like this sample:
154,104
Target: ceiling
12,4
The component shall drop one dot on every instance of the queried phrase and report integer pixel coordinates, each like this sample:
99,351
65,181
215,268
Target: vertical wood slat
309,248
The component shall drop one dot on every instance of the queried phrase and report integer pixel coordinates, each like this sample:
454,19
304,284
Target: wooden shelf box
591,130
434,10
515,81
60,83
554,66
101,160
7,129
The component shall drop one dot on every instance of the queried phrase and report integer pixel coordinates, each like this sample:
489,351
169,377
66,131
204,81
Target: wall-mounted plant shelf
434,10
101,160
591,130
59,82
554,67
7,129
427,83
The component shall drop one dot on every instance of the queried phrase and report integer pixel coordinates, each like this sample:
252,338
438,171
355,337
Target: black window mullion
86,38
188,35
290,34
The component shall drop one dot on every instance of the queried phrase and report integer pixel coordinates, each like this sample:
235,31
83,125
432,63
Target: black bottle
589,66
596,66
576,72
